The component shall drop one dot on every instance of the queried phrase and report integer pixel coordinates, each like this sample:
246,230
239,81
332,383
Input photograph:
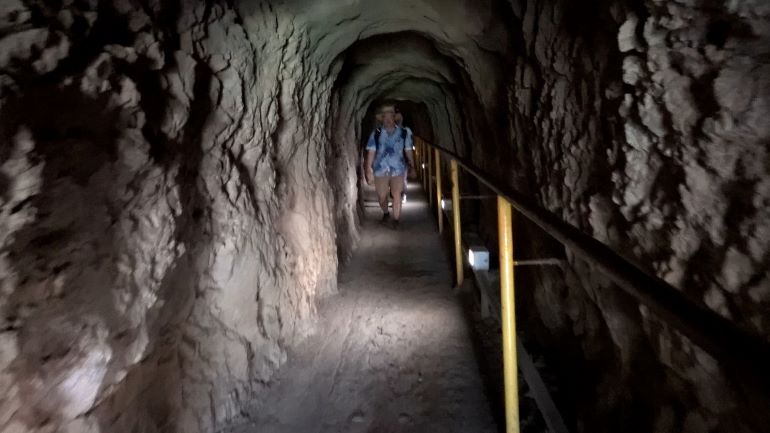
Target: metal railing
744,355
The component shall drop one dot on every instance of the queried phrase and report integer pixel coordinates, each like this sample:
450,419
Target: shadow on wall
61,257
91,222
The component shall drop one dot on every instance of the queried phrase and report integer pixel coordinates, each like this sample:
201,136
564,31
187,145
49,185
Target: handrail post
417,154
426,161
417,157
510,370
429,160
438,192
456,222
423,172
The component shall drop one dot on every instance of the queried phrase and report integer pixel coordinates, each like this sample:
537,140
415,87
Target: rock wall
644,124
178,184
164,212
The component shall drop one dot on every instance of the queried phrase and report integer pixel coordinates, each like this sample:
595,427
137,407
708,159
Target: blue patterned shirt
390,159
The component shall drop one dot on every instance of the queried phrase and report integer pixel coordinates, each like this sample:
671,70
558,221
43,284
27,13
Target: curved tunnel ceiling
446,55
401,66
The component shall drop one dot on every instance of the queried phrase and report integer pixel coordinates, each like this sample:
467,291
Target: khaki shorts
385,184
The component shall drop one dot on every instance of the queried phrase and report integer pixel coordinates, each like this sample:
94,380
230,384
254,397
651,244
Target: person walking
390,153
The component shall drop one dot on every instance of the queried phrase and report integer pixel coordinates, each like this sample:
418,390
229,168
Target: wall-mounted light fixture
478,258
446,204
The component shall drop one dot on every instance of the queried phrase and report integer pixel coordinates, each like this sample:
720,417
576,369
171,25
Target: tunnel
188,242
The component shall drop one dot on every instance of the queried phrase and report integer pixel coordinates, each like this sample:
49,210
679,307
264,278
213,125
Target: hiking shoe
394,224
385,218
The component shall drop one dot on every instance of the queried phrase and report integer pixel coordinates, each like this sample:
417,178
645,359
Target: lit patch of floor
393,352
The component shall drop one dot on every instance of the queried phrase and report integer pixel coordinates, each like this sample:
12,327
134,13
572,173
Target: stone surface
169,201
672,165
165,231
178,185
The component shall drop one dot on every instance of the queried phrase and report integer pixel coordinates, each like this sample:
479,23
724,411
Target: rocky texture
169,171
165,215
178,183
655,143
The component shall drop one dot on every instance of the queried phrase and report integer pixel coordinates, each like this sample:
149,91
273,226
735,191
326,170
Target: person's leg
403,192
396,185
382,186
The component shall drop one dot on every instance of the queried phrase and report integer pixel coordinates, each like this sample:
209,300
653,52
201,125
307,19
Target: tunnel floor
393,351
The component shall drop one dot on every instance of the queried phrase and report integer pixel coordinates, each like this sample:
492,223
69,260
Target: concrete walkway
393,352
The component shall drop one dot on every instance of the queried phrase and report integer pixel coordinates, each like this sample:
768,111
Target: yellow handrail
456,223
423,149
508,315
438,192
430,172
743,354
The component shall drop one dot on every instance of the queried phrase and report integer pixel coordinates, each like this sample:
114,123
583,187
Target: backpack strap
377,135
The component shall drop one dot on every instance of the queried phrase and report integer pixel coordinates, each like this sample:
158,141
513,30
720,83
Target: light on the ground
478,257
446,204
423,165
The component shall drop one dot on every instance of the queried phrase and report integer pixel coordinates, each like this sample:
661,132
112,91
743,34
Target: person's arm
368,166
371,149
409,146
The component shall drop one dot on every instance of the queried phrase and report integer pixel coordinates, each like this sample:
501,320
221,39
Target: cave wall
164,213
178,184
644,124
